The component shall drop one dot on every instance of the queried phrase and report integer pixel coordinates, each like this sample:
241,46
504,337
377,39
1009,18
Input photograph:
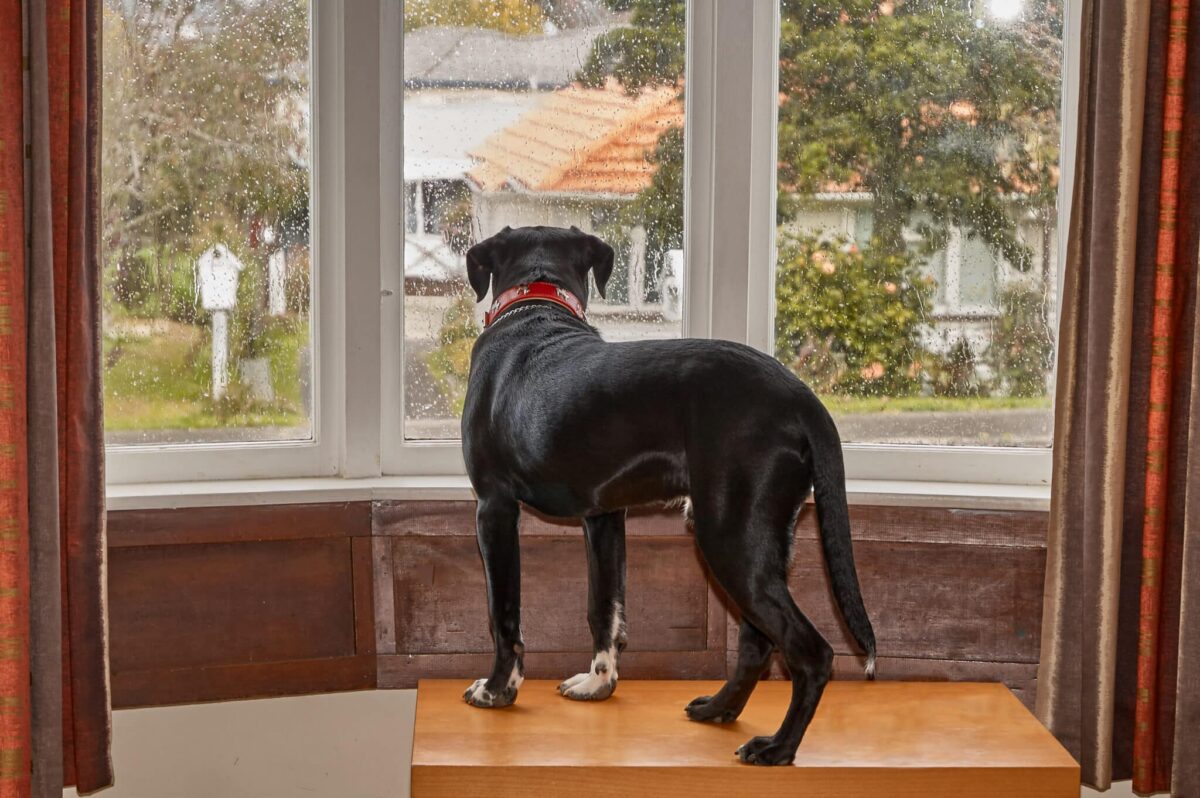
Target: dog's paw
704,709
765,751
478,695
590,686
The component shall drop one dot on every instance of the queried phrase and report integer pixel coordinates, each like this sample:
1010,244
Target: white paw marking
515,679
479,695
600,681
618,627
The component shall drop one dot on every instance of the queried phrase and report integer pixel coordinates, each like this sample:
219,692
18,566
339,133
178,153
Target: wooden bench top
868,738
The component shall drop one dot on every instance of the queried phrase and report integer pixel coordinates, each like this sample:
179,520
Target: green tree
207,103
943,116
649,51
925,104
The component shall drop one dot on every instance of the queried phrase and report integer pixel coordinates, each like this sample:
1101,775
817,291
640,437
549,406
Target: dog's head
530,254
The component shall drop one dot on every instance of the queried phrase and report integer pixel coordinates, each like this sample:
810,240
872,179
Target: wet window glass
917,243
519,112
205,228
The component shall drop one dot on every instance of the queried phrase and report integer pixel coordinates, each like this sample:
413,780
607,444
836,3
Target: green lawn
848,405
158,377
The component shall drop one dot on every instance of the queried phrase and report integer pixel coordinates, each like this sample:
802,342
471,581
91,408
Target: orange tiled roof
581,141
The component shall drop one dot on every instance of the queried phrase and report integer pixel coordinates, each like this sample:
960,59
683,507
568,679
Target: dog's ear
481,262
600,257
602,265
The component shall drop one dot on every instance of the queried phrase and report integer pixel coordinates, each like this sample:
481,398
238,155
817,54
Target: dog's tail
833,517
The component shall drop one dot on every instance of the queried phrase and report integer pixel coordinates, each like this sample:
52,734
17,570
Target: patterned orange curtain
54,696
14,508
1172,346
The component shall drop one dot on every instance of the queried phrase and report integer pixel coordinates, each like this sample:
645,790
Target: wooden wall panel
935,601
238,524
444,609
676,626
213,603
952,594
209,604
201,605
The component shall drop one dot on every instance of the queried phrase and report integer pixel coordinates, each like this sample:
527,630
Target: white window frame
358,244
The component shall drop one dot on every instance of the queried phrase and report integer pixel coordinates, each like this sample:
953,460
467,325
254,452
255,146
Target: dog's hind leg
809,660
745,534
754,650
496,528
605,535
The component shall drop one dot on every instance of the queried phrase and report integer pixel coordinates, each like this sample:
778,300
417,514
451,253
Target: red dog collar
523,293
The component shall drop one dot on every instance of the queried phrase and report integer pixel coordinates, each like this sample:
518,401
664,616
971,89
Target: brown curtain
1119,681
54,697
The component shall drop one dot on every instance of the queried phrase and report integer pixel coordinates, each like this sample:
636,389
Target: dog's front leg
605,536
496,528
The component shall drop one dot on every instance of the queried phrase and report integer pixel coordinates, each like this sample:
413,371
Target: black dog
573,426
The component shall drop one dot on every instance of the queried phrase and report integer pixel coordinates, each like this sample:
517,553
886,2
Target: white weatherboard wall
342,745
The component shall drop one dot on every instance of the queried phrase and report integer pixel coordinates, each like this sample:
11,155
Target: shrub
450,363
1022,349
956,373
847,319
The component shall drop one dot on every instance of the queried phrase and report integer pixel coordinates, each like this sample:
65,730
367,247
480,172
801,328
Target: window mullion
360,451
739,238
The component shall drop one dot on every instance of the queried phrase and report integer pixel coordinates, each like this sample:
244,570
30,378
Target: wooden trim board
867,739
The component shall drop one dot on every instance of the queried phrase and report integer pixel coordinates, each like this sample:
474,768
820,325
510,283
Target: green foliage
450,363
506,16
457,226
847,320
925,105
929,106
147,284
956,373
1022,349
649,52
213,136
658,209
660,206
248,319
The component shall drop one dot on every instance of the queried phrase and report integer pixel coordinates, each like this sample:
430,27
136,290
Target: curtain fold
1117,682
1078,661
14,508
46,627
54,693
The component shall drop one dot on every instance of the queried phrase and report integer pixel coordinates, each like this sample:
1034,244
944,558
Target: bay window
871,191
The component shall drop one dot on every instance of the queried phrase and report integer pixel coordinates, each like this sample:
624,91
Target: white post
217,273
637,268
276,270
672,286
220,353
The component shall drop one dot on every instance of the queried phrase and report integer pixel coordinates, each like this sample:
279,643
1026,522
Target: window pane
519,112
917,180
205,192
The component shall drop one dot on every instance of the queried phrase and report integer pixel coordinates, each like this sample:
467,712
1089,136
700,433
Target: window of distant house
520,112
206,240
916,243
